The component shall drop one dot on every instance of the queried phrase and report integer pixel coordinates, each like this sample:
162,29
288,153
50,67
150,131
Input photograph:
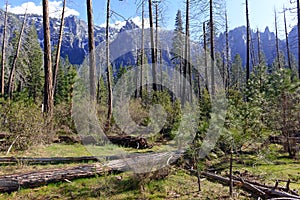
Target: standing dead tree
298,29
248,43
142,52
153,55
212,47
92,62
3,57
298,16
287,39
16,56
259,47
227,79
48,96
186,67
108,72
277,40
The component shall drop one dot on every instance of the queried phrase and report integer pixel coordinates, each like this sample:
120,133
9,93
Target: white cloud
138,21
116,25
55,9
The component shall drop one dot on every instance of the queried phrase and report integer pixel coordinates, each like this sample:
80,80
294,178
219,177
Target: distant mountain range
75,40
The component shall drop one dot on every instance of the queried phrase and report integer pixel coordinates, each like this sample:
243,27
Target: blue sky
261,11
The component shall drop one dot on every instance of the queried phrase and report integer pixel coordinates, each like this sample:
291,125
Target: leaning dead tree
3,57
57,56
256,189
16,56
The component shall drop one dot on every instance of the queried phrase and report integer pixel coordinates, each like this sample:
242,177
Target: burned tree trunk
186,70
248,44
142,50
153,55
92,61
48,90
3,58
109,82
298,16
129,141
212,48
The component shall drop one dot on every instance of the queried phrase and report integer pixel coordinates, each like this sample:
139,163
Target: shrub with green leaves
25,124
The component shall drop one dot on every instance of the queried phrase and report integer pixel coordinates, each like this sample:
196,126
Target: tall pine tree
35,64
177,49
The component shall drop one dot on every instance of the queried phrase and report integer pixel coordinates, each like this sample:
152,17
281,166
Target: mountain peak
267,30
130,25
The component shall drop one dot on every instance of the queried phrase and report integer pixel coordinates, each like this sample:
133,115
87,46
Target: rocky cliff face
238,41
75,39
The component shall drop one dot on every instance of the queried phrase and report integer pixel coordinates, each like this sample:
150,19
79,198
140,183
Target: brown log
125,141
254,188
4,136
130,141
10,183
54,160
282,139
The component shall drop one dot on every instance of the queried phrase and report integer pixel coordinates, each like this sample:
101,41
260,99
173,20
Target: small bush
25,124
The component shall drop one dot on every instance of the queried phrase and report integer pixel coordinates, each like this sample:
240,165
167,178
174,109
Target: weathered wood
130,141
282,139
122,140
252,187
54,160
4,136
10,183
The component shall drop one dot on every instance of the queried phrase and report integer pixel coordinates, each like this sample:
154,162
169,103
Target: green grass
264,167
75,150
178,185
53,150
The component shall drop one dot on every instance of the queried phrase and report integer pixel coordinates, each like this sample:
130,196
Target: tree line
253,91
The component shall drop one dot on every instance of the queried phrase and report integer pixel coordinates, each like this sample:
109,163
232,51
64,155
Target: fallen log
270,187
43,161
282,139
122,140
129,141
10,183
256,189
